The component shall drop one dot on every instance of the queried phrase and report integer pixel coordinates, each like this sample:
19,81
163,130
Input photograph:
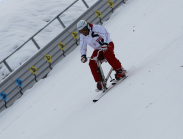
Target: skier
99,39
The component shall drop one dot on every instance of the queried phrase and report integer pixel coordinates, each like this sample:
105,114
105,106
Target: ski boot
120,73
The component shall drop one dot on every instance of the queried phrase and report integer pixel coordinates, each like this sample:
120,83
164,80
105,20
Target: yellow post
48,58
33,69
74,34
110,3
98,13
62,46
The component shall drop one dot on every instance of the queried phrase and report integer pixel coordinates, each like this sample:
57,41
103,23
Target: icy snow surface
148,38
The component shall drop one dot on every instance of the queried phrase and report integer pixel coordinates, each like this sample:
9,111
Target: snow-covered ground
21,19
147,105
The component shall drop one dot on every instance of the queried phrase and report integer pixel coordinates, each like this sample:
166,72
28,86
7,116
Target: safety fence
4,61
38,66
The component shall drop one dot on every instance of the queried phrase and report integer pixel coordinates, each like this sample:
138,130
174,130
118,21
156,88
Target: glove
83,58
104,48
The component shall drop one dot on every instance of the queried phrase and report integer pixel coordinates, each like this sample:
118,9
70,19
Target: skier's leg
93,66
110,57
114,62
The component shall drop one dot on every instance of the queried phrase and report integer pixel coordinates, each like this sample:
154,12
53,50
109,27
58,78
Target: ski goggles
83,31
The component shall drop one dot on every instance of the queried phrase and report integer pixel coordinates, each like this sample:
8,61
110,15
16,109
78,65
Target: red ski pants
109,56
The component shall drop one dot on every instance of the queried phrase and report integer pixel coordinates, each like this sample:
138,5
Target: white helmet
82,24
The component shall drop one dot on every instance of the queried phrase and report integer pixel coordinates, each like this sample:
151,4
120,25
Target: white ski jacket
97,37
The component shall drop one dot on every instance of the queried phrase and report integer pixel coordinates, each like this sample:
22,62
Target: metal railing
32,37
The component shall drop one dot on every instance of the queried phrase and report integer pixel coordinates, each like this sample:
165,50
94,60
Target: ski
109,88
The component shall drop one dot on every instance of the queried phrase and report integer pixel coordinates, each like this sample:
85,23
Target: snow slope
147,105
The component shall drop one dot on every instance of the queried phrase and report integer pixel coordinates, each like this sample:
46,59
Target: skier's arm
83,46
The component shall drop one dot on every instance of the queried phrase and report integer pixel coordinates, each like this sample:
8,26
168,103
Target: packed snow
147,105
